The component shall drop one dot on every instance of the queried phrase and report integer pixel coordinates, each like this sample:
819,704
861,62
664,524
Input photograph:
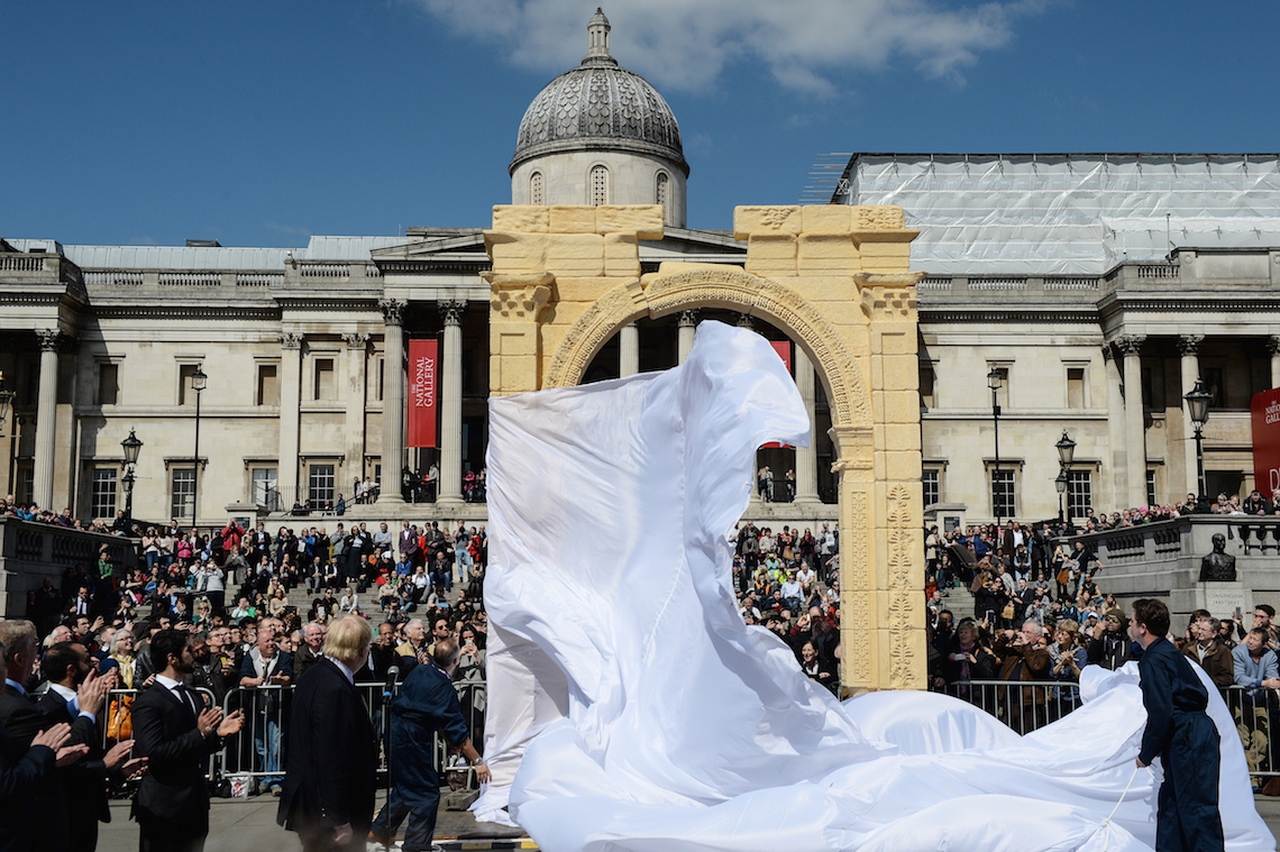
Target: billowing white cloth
631,708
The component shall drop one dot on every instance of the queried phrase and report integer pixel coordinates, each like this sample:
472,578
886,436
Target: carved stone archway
837,281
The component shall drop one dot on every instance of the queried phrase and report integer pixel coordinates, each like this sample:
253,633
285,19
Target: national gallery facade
1092,290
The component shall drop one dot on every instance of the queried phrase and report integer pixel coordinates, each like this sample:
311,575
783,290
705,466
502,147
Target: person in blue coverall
427,703
1180,733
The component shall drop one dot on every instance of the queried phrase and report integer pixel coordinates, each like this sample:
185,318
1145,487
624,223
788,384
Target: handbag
120,718
1007,612
1064,576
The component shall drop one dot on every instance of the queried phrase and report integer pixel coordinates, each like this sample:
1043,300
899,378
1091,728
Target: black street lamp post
1066,454
994,381
198,382
131,446
1198,408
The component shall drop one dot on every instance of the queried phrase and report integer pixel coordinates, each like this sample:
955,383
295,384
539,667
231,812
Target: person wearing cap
1111,648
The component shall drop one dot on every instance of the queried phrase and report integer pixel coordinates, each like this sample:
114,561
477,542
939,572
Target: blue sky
260,123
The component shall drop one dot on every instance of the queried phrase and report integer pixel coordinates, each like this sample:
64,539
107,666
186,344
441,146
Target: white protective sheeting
631,708
1059,214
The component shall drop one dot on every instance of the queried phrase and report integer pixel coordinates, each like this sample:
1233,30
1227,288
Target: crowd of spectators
788,582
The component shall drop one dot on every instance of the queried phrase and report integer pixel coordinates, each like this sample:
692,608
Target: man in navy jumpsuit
427,703
1181,734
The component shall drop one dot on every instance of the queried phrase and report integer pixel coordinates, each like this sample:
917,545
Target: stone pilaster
1114,471
451,314
290,407
1134,420
1273,349
806,457
393,391
687,328
357,390
1189,349
46,417
629,350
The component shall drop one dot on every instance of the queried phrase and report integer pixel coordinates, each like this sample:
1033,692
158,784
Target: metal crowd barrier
1022,705
117,719
258,750
1027,705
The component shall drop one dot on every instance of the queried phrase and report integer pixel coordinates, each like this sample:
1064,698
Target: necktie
188,699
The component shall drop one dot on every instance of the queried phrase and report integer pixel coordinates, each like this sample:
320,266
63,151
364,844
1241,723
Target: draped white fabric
631,708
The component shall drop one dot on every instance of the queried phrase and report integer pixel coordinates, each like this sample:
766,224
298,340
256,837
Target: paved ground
244,825
239,825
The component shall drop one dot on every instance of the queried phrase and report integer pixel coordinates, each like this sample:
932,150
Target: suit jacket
20,773
84,783
41,803
174,787
326,787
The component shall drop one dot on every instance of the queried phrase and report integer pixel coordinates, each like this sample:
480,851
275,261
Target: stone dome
599,106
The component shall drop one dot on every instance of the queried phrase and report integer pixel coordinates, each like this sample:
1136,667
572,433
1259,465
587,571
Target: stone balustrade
29,552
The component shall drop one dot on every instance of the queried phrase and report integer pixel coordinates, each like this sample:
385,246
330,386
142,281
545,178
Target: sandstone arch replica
836,279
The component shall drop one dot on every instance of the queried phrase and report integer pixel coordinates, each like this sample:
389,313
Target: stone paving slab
237,825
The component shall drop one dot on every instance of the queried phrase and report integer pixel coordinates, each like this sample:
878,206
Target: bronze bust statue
1218,565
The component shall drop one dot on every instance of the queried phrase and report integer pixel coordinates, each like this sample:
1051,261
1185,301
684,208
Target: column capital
291,339
392,310
745,321
689,318
50,338
1273,346
1189,344
358,340
1130,344
451,312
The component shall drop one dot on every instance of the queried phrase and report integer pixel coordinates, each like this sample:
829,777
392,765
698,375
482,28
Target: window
108,383
186,393
381,371
1151,487
324,387
1075,388
1002,492
930,481
535,188
599,186
927,377
268,385
102,500
662,193
182,487
320,485
265,492
1079,492
26,481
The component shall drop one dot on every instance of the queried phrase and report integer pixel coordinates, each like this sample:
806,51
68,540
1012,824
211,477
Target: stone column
451,404
46,417
357,350
1189,347
687,328
1273,348
393,390
1134,420
628,350
290,404
1114,471
806,457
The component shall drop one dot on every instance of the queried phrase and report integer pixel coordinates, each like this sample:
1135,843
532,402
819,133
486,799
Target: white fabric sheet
631,708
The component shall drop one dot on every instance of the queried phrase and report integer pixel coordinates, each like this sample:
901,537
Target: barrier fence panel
118,720
1027,705
257,752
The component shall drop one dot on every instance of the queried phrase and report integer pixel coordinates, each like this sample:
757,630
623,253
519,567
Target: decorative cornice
993,314
179,311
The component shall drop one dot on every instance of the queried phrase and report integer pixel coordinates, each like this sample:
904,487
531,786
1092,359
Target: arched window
599,185
535,188
662,194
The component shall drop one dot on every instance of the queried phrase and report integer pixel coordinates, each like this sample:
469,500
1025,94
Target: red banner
424,395
783,348
1265,409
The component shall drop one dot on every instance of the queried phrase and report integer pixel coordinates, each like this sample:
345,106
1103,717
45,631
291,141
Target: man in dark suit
329,793
177,732
83,785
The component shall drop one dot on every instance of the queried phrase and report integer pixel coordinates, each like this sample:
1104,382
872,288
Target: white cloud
686,44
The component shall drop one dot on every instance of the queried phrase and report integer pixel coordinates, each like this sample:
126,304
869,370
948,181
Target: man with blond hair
329,793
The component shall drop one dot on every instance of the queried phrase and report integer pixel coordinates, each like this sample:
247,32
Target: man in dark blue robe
1181,734
427,703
